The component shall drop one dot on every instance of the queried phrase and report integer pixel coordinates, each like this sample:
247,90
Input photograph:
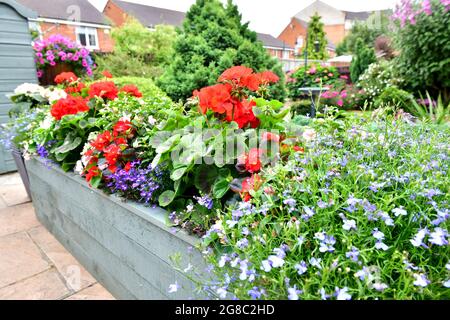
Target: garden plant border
126,246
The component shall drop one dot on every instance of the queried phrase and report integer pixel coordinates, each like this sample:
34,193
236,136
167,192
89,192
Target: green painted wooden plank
157,272
8,74
17,62
16,50
15,26
15,38
62,197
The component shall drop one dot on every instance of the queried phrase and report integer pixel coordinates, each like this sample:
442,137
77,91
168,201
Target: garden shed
16,61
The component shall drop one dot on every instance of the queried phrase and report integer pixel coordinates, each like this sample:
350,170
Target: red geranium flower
132,90
102,141
66,77
107,74
122,127
75,88
104,89
243,114
216,98
69,105
267,77
269,136
242,77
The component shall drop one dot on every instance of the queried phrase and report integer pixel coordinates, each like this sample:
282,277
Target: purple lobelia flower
353,254
142,184
205,201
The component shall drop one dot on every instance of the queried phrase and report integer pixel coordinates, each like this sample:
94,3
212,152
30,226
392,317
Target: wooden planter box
124,245
48,78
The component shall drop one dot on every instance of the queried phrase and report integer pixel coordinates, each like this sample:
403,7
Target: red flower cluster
66,78
107,74
103,89
131,90
122,128
75,88
69,105
228,98
252,183
244,77
252,160
110,146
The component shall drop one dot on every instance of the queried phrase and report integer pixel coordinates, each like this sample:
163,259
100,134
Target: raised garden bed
125,246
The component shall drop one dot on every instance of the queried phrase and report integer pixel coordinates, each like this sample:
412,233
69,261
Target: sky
268,16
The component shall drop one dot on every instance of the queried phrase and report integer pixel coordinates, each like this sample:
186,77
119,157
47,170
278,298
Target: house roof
61,10
362,16
270,41
152,16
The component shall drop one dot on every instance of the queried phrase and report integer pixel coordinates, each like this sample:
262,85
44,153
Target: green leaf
168,144
178,173
220,188
95,182
68,144
204,178
166,198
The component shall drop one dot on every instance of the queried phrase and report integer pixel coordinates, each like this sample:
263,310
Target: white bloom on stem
309,134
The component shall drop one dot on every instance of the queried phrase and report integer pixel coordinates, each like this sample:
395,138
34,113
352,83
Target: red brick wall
293,30
336,33
104,35
117,16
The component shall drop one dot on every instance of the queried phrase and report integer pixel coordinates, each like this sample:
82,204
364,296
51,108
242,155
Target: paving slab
16,219
75,275
20,258
44,286
95,292
13,194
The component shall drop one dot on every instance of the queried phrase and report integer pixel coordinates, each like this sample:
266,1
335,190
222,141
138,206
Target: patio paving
33,264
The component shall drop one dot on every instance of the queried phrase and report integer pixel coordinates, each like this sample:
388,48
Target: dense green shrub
138,51
314,75
364,57
146,86
378,76
212,40
317,34
424,47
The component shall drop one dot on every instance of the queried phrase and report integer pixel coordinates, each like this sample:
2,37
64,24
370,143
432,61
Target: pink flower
330,74
313,70
340,103
344,94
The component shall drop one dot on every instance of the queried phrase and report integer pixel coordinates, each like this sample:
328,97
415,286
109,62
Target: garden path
33,264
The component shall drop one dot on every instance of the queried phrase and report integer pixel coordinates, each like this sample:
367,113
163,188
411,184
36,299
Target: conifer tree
317,39
363,58
212,40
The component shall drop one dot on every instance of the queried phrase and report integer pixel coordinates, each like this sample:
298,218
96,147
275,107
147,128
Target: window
87,37
286,54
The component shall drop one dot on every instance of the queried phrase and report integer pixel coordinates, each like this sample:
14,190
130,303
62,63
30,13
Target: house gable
330,15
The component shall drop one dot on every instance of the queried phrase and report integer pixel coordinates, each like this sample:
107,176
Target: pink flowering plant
423,40
314,75
58,49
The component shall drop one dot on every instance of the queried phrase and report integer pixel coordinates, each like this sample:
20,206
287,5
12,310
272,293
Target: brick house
119,11
337,24
77,20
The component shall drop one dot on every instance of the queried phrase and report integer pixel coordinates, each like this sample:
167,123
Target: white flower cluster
51,95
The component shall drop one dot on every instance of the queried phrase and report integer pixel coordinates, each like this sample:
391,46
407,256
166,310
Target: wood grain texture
125,246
